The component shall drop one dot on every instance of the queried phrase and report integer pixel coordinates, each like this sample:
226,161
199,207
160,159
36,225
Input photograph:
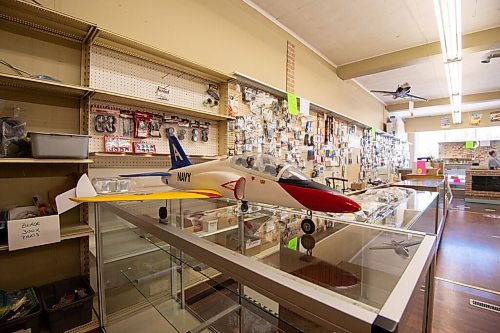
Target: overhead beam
473,42
473,98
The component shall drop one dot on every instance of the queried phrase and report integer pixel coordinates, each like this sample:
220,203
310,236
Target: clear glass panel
151,286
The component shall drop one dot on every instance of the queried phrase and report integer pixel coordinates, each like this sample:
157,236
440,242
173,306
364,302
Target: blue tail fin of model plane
177,154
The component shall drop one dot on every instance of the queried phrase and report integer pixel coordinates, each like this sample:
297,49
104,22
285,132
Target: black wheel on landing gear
307,226
244,206
163,213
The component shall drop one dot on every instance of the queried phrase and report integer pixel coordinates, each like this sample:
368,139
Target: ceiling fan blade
417,97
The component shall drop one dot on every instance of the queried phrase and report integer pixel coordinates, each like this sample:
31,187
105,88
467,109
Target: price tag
33,232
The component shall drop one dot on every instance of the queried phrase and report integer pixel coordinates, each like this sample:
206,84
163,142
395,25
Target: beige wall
228,36
422,124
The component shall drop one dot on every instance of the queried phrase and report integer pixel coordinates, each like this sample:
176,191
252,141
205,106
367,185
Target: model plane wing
407,244
383,247
173,195
148,174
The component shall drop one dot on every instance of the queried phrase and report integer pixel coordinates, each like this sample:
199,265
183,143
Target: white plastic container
50,145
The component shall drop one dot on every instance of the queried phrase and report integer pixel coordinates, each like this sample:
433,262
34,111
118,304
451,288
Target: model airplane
403,91
248,177
400,247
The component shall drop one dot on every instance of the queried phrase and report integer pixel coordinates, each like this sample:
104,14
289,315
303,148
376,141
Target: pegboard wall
382,153
264,125
121,73
198,148
138,161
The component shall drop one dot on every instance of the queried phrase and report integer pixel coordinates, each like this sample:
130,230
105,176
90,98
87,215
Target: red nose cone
349,205
322,199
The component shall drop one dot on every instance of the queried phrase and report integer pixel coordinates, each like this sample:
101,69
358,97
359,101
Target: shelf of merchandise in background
353,149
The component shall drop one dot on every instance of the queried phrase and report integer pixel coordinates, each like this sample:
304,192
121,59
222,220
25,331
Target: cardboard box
210,226
358,186
40,230
432,172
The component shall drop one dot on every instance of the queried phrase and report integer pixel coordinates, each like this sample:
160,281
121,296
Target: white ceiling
428,79
349,30
346,31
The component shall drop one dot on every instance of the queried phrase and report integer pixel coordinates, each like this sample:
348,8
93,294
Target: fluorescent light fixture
449,21
449,17
454,76
456,102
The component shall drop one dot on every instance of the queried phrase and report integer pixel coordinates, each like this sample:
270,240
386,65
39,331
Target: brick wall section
469,193
458,150
290,67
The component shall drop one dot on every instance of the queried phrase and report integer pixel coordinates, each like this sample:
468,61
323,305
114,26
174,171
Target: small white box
210,226
34,231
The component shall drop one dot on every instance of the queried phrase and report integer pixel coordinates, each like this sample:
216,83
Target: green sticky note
469,144
374,131
292,243
292,104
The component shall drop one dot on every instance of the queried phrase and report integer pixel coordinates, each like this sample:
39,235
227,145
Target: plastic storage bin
66,317
29,322
48,145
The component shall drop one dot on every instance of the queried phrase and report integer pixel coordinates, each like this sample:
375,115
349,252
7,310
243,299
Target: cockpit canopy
267,166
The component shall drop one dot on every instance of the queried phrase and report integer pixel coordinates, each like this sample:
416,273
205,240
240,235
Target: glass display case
211,267
442,187
455,174
397,208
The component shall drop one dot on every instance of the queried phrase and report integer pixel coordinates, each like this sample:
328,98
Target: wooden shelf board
44,19
44,161
140,50
70,231
114,97
211,233
99,154
20,82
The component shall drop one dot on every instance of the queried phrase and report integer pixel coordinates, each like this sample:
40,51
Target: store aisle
468,267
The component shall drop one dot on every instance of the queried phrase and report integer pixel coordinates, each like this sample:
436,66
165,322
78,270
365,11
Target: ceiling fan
403,92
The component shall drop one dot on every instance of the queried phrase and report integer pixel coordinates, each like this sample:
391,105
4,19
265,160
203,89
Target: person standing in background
493,162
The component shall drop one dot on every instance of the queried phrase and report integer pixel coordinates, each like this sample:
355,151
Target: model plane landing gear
244,206
163,214
307,224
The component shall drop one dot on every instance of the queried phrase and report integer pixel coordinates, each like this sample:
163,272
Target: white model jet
249,177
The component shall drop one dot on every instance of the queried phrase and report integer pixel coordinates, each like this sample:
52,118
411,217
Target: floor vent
484,305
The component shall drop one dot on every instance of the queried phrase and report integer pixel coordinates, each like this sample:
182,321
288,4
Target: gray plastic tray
54,145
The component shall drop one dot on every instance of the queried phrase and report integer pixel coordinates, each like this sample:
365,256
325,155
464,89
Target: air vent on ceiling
484,305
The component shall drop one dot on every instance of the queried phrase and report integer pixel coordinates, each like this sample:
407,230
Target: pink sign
420,167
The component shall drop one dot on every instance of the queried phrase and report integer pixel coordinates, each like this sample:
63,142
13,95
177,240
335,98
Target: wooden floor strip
468,285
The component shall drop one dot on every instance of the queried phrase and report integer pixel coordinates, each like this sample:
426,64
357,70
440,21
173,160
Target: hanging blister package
155,125
141,125
127,123
204,131
105,119
13,138
115,144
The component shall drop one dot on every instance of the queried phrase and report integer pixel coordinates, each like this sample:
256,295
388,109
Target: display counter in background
482,186
415,176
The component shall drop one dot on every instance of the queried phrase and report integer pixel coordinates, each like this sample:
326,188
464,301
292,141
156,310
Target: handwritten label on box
33,232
